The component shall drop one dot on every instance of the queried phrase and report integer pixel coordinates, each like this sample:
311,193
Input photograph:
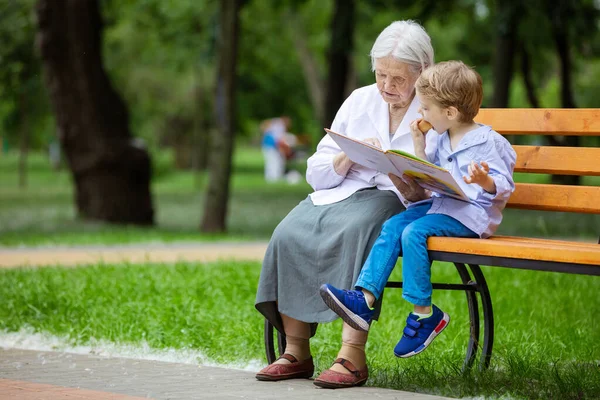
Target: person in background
327,237
275,147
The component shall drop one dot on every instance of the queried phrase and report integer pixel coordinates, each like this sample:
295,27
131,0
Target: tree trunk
506,25
529,85
340,52
217,196
203,123
24,141
559,16
310,69
111,171
352,79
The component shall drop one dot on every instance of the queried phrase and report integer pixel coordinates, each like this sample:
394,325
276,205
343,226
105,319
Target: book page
397,162
363,153
405,154
427,175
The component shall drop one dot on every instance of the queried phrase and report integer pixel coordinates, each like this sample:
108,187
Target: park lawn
42,214
546,343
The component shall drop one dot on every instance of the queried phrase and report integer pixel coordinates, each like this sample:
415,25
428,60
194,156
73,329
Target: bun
424,126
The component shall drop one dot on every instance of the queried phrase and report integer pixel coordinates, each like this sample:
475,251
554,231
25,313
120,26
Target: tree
561,14
20,87
340,50
217,196
310,67
110,169
508,14
161,57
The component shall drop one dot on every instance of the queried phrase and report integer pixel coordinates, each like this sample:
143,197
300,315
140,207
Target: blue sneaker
419,333
350,305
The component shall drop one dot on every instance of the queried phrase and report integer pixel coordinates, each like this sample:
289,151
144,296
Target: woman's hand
373,142
342,163
409,189
479,175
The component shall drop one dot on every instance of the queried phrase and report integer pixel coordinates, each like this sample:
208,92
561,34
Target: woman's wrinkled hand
342,164
373,142
409,188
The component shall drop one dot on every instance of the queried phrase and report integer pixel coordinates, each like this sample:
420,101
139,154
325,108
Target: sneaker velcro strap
409,331
414,324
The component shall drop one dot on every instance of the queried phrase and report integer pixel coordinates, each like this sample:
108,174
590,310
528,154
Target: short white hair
407,42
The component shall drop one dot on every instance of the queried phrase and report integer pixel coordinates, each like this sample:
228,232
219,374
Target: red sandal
278,372
333,380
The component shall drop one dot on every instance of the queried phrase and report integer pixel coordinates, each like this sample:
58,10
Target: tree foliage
161,55
22,99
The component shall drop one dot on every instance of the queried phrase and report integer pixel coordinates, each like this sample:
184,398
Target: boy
450,94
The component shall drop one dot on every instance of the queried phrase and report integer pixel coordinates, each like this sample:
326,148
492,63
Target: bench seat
521,248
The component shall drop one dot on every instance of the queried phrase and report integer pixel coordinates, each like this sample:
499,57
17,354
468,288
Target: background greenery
161,57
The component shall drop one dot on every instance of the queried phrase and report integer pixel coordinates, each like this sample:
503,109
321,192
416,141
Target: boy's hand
479,174
418,138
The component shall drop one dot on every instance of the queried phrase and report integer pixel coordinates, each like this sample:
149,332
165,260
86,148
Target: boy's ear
452,113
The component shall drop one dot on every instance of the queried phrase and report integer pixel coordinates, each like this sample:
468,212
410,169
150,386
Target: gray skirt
314,245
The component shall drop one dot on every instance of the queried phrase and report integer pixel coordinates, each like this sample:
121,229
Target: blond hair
453,84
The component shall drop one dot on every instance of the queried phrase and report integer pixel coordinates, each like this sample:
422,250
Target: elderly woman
327,237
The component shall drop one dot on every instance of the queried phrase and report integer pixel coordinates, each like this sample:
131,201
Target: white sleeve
320,173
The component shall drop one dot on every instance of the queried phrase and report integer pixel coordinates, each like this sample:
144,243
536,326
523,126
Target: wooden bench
521,252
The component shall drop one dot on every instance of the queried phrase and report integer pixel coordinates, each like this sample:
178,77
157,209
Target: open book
398,162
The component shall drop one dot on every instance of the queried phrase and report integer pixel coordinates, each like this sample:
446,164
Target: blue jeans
406,234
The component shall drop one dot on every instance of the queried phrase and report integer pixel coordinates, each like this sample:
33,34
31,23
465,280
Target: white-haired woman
327,237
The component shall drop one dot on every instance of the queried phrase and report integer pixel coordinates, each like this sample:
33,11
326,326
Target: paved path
72,256
31,374
26,374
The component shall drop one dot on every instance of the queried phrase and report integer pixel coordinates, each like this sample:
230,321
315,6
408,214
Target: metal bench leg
270,345
473,317
488,316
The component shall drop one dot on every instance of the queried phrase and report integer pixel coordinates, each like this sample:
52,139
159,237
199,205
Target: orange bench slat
583,161
542,121
538,249
544,197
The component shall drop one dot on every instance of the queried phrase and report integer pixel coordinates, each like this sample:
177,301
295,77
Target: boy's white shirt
363,115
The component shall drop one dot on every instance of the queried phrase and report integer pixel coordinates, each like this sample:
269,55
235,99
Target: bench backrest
558,160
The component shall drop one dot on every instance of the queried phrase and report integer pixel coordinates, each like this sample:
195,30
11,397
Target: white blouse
363,115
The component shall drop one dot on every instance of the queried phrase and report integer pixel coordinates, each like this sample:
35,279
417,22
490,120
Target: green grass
546,343
43,213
